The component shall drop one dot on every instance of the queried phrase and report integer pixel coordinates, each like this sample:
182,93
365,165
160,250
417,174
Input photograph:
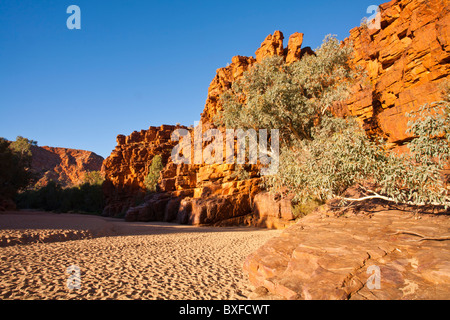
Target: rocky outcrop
271,210
64,166
196,193
215,194
407,59
271,46
294,49
128,165
222,82
385,255
381,254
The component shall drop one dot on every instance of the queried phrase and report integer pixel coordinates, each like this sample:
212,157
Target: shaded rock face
385,255
407,59
62,165
271,210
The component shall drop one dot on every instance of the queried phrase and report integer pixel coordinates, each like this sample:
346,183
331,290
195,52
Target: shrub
86,198
240,173
151,180
299,210
340,155
15,164
291,98
322,156
93,178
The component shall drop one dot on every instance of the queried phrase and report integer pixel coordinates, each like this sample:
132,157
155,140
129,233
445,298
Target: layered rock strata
382,255
407,60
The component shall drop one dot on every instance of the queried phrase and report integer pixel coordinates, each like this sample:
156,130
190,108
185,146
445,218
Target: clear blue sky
135,64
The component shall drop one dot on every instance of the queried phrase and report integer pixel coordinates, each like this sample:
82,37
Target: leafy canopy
321,156
291,98
15,165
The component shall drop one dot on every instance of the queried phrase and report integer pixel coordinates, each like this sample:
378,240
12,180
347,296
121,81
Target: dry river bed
113,259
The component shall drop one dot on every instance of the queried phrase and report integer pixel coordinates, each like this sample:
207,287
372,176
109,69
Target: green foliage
151,180
93,178
240,173
322,156
292,97
430,126
15,176
340,155
299,210
15,163
22,146
86,198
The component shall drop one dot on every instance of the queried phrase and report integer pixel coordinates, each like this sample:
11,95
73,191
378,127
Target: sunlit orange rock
407,60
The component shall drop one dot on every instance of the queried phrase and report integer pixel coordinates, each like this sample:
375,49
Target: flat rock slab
382,255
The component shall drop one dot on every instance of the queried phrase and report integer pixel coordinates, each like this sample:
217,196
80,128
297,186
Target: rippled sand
121,260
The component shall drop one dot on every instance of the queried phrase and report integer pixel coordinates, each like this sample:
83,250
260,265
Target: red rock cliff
62,165
194,194
406,59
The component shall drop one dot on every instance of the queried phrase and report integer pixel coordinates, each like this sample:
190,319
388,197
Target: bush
322,156
240,173
302,209
86,198
151,180
93,178
291,98
340,155
15,164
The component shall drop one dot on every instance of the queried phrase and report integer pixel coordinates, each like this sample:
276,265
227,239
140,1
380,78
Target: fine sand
122,260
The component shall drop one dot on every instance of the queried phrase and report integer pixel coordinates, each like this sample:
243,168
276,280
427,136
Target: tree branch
423,238
377,196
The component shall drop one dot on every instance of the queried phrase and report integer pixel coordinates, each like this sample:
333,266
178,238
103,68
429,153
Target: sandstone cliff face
194,194
406,59
222,82
62,165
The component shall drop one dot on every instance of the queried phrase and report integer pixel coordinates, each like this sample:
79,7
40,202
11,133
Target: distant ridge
64,166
